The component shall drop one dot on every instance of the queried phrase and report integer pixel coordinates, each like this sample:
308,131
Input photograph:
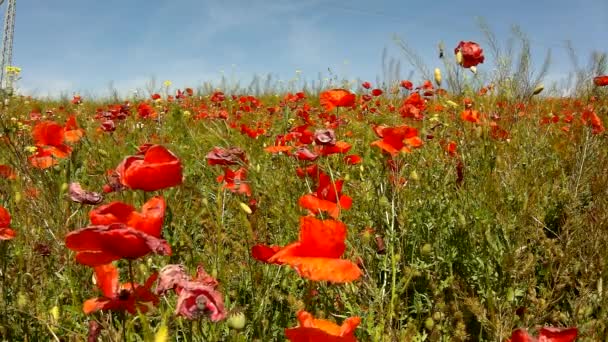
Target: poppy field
382,212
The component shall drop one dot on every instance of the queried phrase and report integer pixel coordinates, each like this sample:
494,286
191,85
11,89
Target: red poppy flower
302,153
407,85
366,85
321,330
77,99
316,255
325,137
338,147
601,81
235,181
226,156
145,111
546,334
98,245
472,54
126,297
590,118
196,297
6,233
50,136
43,158
413,107
470,115
72,132
327,198
333,98
353,159
278,149
310,171
149,220
397,139
157,169
377,92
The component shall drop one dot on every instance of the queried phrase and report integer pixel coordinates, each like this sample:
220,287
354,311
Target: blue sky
81,46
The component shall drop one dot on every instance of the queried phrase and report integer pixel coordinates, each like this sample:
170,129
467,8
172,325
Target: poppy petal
324,269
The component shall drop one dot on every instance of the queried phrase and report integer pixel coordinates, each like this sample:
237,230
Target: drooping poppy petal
324,269
72,132
263,252
79,195
226,156
113,242
320,330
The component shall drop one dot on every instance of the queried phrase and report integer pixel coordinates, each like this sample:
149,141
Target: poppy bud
429,323
414,175
459,57
473,70
17,197
245,208
452,103
539,88
237,321
426,249
438,76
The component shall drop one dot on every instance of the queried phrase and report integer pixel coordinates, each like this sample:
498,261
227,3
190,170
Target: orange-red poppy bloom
102,244
49,139
470,115
333,98
472,54
601,81
235,181
321,330
353,159
145,111
590,118
6,233
316,254
120,297
396,139
72,132
546,334
413,107
157,169
327,198
338,147
149,220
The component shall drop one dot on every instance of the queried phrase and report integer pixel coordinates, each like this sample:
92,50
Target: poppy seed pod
438,76
538,89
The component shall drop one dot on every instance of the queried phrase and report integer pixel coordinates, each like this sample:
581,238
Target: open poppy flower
327,198
546,334
149,220
333,98
196,296
146,111
49,139
470,115
321,330
316,254
102,244
278,149
120,297
471,54
413,107
353,159
6,233
397,139
157,169
338,147
302,153
235,181
72,132
590,118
